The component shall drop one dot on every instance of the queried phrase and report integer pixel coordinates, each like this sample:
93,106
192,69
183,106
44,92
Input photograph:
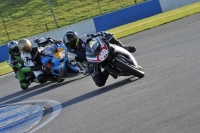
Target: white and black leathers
33,60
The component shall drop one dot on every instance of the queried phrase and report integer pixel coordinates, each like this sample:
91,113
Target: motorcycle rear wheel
128,68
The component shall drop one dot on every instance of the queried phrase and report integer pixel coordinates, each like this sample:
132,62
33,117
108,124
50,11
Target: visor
71,37
72,44
15,50
27,48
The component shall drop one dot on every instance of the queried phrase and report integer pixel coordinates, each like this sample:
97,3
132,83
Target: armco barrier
127,15
86,26
82,27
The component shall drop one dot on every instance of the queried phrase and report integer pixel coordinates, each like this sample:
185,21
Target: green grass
140,25
23,18
5,68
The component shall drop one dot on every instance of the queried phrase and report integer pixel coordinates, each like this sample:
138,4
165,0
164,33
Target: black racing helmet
70,39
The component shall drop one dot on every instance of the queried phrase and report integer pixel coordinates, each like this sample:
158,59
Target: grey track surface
166,100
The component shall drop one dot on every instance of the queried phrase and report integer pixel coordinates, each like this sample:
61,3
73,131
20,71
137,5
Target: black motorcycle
115,59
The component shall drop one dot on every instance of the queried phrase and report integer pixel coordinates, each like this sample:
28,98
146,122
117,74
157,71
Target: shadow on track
95,93
33,91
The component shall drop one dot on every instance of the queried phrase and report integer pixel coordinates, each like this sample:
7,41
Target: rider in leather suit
76,44
49,46
17,64
32,59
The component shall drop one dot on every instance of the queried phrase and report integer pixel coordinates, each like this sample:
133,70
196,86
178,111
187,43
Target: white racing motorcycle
116,60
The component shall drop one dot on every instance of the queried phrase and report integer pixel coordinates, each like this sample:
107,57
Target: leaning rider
76,44
17,64
53,52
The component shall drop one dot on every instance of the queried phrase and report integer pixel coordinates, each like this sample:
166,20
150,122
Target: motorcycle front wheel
126,67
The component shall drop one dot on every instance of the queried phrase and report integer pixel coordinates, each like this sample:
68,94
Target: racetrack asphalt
166,100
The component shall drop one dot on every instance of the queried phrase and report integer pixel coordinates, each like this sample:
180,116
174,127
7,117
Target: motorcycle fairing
61,53
92,55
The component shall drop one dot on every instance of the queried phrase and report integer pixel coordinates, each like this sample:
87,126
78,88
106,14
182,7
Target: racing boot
131,49
55,79
59,80
52,78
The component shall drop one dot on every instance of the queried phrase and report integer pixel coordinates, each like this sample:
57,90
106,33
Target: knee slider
41,78
100,83
24,86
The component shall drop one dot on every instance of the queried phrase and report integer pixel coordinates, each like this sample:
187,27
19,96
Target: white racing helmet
13,47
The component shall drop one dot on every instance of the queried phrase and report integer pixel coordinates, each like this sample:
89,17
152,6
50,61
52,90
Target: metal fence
23,18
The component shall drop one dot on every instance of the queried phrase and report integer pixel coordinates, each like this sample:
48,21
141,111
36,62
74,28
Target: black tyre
126,67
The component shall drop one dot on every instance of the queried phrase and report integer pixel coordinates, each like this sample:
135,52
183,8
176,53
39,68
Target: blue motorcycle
55,61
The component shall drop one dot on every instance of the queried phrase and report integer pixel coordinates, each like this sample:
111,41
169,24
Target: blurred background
24,18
